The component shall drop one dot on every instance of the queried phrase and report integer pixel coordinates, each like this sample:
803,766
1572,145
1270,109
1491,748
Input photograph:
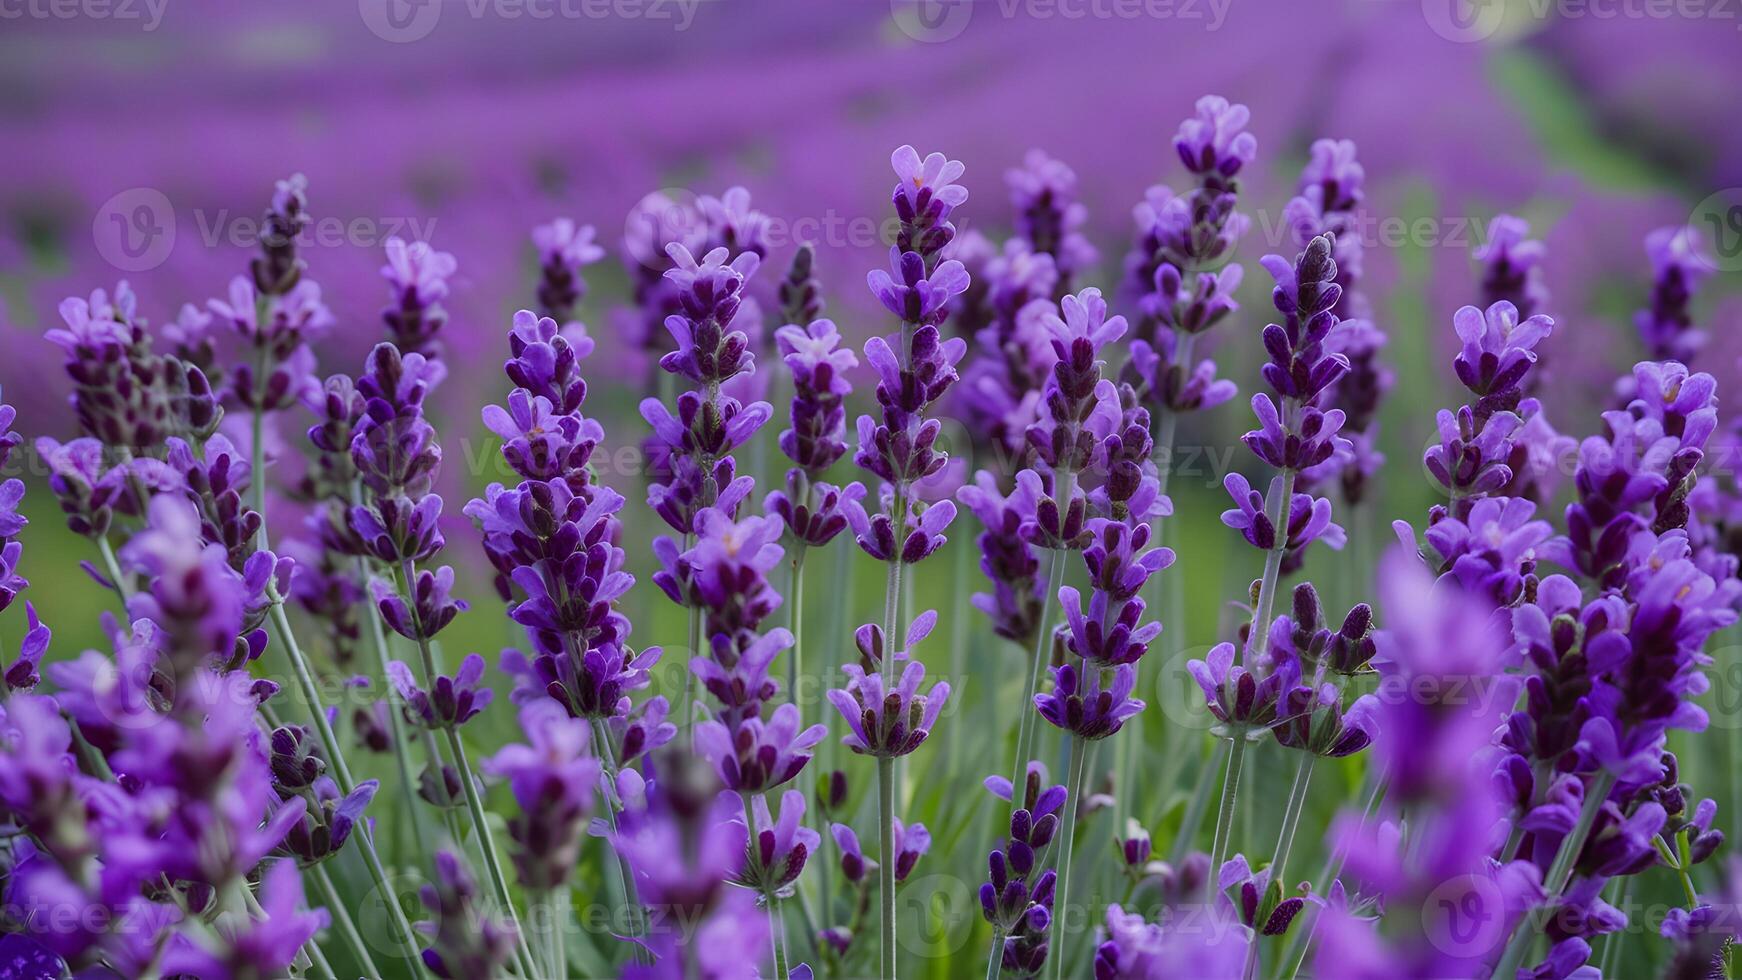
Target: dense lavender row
167,811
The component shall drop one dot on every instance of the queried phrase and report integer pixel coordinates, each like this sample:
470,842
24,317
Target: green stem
795,666
624,879
342,918
341,772
686,706
1291,816
555,940
886,867
1613,943
1277,510
1225,813
1524,934
395,708
1026,725
319,959
995,957
1067,838
777,932
475,803
123,587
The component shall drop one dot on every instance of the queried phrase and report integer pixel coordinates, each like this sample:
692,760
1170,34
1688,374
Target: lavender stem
1067,837
113,567
777,932
1282,489
886,867
1524,933
395,705
1291,815
341,771
624,880
1225,815
257,476
1026,726
347,925
487,844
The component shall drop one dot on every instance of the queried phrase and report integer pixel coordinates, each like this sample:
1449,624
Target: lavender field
901,488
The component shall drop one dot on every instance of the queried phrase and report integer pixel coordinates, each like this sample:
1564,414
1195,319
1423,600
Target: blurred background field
470,126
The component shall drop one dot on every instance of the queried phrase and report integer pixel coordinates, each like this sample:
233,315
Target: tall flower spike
418,275
1512,266
1043,192
554,780
813,510
564,248
1678,264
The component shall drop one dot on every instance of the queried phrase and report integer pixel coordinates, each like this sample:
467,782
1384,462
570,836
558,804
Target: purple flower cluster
692,449
1017,896
1678,265
1443,645
275,312
1091,696
553,541
1330,199
124,394
1178,273
418,275
1512,267
812,510
564,248
661,222
1487,458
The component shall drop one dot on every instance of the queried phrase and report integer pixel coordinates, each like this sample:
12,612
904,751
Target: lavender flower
418,275
1512,267
1082,706
1677,265
911,843
1431,746
778,848
1017,897
450,702
1006,558
553,781
1043,192
755,757
891,723
464,941
553,540
811,509
564,248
